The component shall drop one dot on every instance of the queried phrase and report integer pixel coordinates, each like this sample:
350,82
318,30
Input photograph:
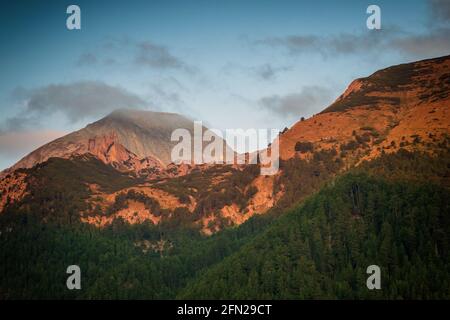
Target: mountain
127,139
366,181
404,106
317,249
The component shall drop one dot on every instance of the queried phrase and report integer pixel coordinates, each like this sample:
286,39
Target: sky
228,63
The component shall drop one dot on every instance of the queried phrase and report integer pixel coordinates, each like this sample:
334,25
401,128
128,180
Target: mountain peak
387,86
392,108
129,133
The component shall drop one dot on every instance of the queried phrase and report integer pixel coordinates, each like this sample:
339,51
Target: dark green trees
322,248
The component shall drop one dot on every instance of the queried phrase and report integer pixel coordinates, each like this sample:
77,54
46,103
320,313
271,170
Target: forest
321,249
392,212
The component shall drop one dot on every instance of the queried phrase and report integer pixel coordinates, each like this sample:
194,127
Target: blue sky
231,64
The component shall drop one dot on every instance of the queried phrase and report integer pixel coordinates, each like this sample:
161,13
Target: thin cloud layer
435,42
326,46
76,101
156,56
303,103
86,59
440,10
268,71
143,54
432,42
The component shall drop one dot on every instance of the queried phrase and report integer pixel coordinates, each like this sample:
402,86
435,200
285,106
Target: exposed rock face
13,187
134,213
127,139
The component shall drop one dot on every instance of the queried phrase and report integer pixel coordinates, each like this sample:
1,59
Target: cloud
344,43
157,57
143,53
268,72
16,123
265,71
309,100
83,100
435,43
440,10
170,99
76,101
86,59
295,43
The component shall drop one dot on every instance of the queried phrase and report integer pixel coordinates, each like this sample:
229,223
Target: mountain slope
321,249
351,192
405,106
293,257
128,139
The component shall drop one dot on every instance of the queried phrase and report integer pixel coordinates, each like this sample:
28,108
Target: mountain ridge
141,139
385,111
212,198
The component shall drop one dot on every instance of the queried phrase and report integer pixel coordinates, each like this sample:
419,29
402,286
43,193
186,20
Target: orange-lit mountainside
351,177
394,108
401,107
